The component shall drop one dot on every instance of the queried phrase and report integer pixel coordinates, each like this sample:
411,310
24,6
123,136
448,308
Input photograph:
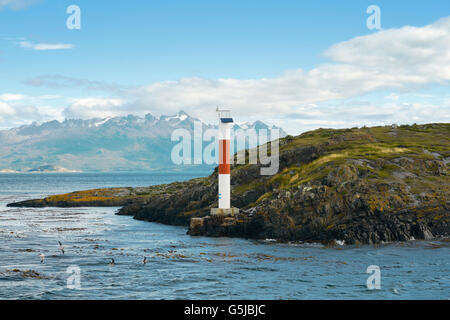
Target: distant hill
49,168
129,143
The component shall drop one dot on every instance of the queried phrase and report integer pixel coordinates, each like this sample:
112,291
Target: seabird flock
112,262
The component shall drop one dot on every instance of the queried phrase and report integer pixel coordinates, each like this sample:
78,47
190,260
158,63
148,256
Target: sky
300,65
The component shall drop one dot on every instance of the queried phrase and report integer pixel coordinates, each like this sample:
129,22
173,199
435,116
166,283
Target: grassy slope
339,146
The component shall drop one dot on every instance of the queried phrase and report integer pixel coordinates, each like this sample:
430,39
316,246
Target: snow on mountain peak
99,123
182,118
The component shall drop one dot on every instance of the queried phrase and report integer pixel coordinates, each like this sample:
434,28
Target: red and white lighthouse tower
225,123
224,158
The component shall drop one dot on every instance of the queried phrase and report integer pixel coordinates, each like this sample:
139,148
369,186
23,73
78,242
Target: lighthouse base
224,212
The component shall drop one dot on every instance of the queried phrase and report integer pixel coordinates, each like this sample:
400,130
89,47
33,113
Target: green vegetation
338,146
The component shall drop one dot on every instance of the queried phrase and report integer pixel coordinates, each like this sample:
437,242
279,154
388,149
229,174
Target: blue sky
159,56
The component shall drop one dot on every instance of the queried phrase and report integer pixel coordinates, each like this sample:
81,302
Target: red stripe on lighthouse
224,156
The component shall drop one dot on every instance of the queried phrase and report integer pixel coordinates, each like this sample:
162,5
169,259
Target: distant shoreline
188,173
33,172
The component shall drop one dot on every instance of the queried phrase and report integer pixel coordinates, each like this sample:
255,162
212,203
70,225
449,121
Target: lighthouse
225,122
224,189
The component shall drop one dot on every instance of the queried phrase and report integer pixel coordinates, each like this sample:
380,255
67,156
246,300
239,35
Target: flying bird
61,248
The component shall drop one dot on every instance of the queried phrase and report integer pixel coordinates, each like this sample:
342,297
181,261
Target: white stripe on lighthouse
224,191
224,165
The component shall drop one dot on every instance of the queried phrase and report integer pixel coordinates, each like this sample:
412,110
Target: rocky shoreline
359,186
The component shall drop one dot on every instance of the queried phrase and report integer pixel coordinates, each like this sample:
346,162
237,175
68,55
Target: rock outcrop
368,185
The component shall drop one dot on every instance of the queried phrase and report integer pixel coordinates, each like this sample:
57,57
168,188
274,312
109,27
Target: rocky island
359,185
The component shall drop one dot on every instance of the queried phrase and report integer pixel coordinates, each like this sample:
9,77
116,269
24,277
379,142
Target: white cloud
401,57
392,96
18,109
6,110
11,97
87,108
56,81
45,46
351,114
48,97
17,4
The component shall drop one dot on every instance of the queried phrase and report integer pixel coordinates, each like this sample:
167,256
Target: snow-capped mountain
129,143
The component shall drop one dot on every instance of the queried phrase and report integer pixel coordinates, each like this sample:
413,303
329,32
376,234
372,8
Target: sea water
183,267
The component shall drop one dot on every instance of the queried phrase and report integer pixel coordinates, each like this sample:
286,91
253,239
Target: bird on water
61,248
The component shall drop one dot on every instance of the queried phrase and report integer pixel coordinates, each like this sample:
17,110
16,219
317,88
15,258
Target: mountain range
113,144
